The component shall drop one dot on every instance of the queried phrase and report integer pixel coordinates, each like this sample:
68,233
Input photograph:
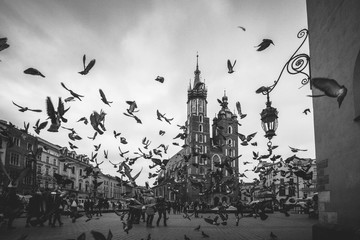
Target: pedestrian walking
73,209
58,208
161,208
34,209
150,212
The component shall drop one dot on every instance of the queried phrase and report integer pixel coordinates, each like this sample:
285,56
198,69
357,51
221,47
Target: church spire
197,71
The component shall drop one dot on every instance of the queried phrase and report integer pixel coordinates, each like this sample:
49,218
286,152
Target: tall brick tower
198,130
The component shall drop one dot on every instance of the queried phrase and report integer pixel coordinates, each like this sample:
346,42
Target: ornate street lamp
269,119
295,65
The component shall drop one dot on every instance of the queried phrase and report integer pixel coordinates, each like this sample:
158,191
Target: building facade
202,157
18,148
334,33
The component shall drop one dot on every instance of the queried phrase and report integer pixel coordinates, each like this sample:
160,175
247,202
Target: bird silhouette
244,29
103,97
100,236
296,149
159,79
75,95
306,111
88,67
84,119
116,134
39,126
132,107
238,107
24,109
69,99
204,235
72,146
94,136
97,147
61,180
97,121
33,71
330,87
55,116
264,44
230,66
3,44
197,228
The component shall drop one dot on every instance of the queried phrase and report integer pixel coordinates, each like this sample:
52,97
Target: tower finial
197,71
197,60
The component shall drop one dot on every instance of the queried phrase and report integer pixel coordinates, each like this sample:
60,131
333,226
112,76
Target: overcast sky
135,41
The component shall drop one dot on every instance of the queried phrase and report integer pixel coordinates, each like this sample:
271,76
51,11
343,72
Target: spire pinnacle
197,71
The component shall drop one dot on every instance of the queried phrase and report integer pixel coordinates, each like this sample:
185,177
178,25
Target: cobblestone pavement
295,227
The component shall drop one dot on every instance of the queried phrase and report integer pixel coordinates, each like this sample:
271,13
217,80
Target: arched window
229,129
200,128
201,138
200,118
201,149
356,88
229,142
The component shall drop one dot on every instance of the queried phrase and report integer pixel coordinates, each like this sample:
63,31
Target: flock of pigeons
57,116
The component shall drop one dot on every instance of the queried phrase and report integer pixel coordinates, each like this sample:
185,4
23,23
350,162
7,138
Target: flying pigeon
159,79
23,109
88,67
103,97
244,29
264,44
78,96
230,66
330,87
33,71
3,44
238,107
306,111
38,126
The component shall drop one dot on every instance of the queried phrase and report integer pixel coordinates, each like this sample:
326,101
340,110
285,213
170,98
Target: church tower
198,126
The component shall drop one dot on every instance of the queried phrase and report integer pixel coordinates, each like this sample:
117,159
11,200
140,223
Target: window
73,170
29,147
229,129
200,149
79,186
201,118
14,159
27,180
230,142
80,172
54,161
38,171
204,138
47,159
16,141
202,171
201,138
64,168
47,171
200,128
